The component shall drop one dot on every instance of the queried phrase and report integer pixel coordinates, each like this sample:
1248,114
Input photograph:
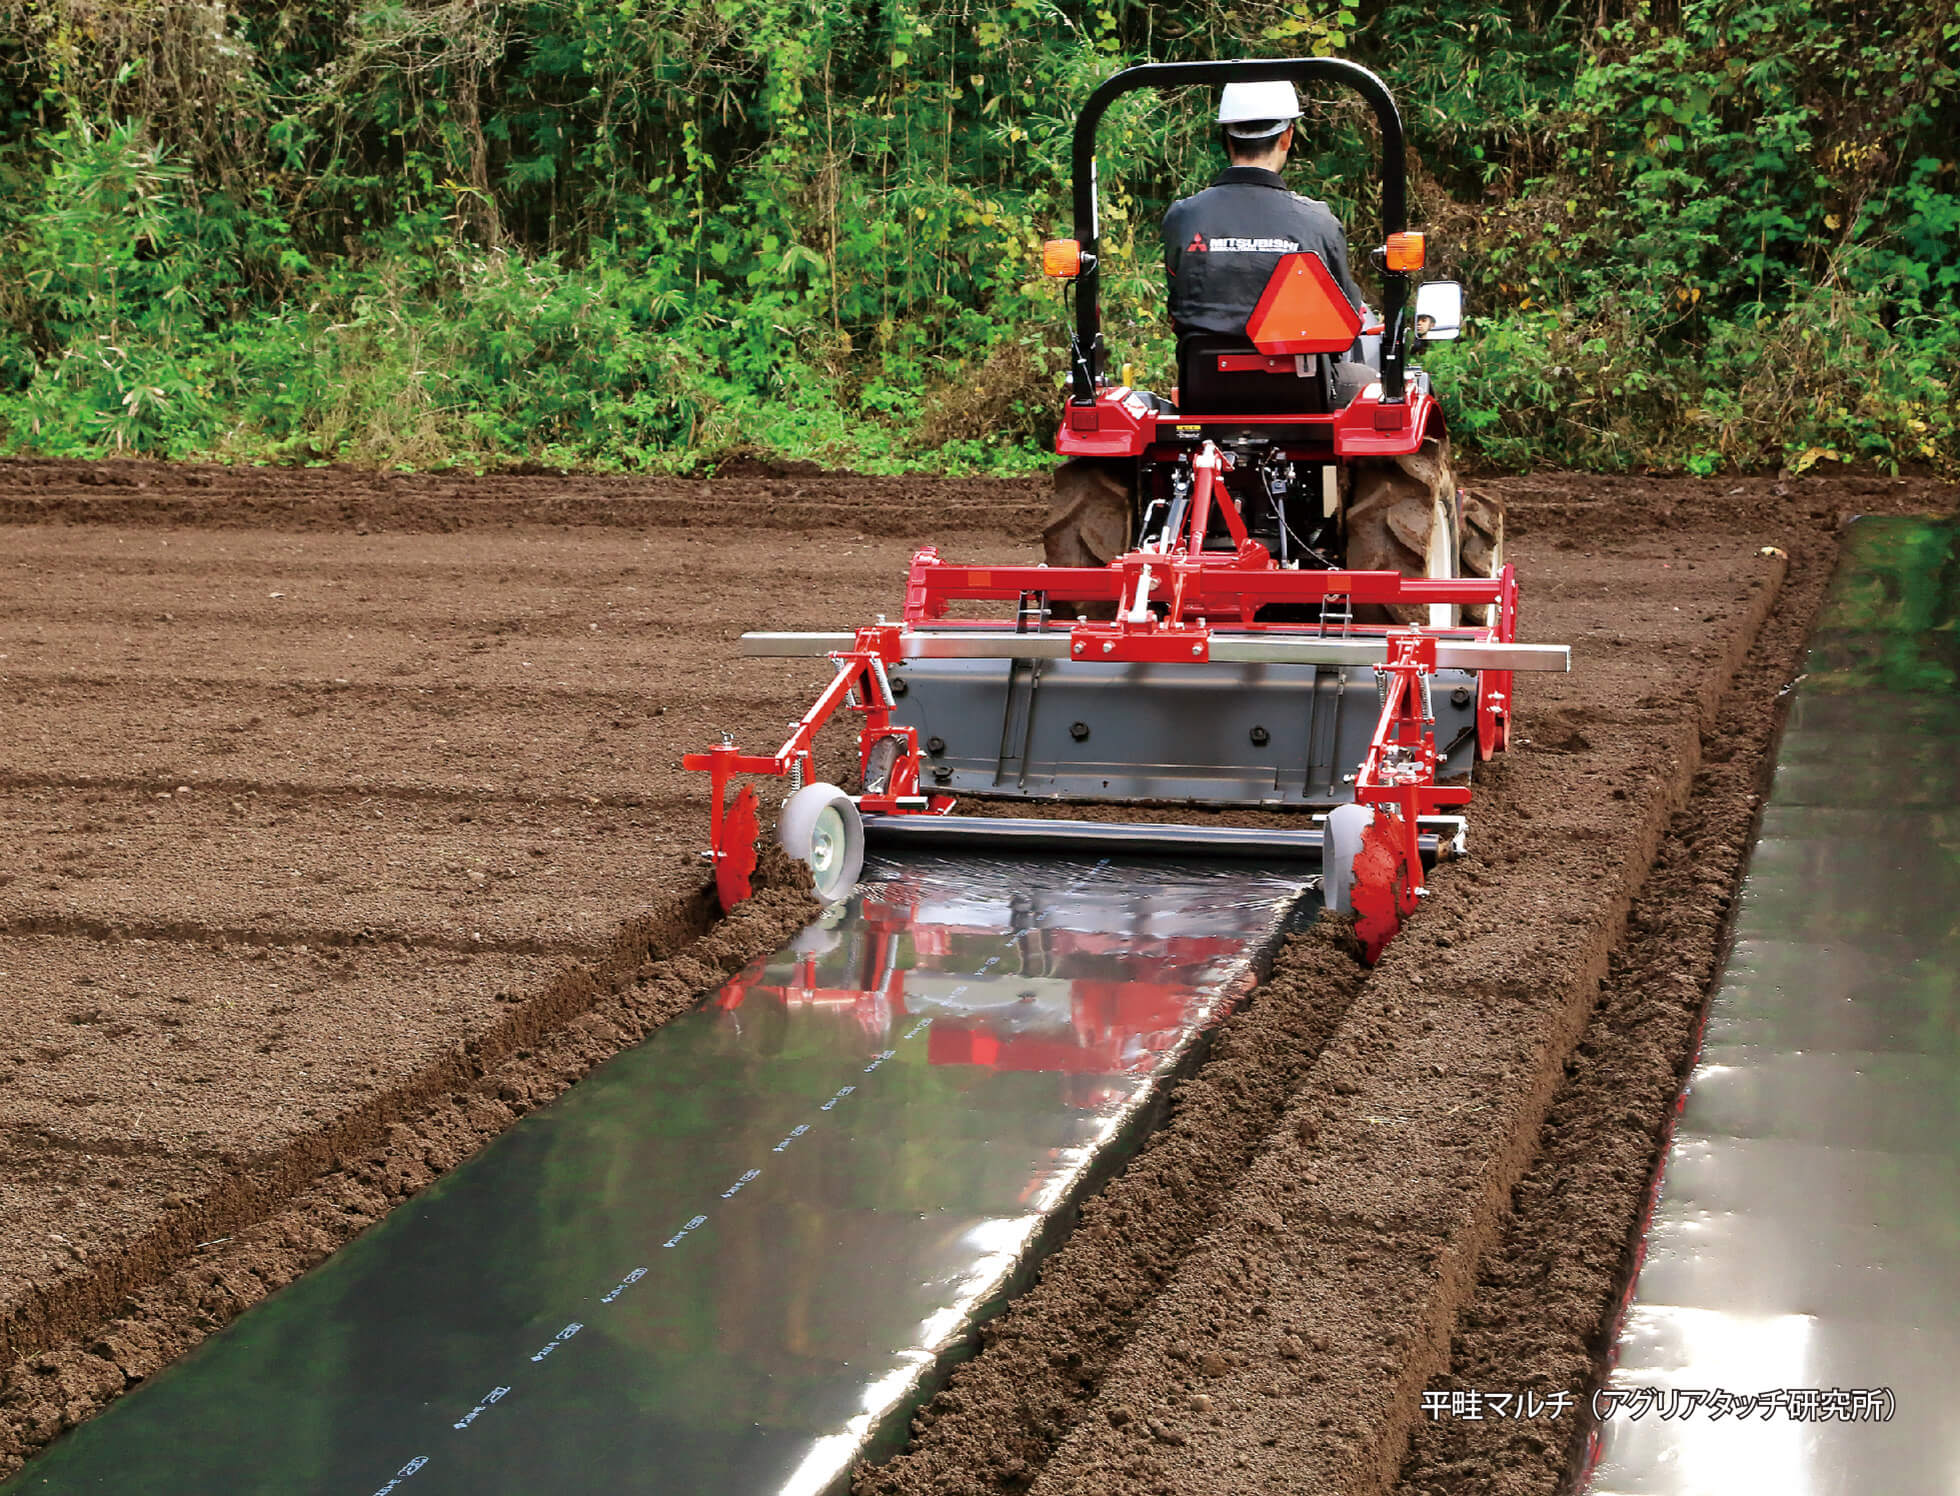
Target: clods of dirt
351,825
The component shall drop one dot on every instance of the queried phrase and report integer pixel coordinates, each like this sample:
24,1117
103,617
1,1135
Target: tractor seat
1219,374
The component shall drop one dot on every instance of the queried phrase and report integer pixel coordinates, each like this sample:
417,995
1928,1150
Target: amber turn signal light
1405,251
1061,258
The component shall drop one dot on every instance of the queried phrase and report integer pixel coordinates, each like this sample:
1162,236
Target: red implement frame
1171,602
1169,599
861,685
1398,779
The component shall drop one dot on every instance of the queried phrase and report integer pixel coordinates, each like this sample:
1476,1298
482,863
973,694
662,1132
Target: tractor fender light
1062,258
1406,250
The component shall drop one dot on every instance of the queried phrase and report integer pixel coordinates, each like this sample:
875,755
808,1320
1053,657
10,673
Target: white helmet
1257,111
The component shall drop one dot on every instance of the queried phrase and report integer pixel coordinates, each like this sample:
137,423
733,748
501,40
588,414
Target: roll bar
1086,358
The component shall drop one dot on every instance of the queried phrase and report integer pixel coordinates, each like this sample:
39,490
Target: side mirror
1439,311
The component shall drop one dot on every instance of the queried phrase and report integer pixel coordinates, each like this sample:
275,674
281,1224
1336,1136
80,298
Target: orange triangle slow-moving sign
1302,310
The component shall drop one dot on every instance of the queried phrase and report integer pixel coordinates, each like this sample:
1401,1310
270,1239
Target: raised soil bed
349,825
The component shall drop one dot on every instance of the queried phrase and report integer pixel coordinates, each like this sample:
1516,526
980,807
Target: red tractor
1266,593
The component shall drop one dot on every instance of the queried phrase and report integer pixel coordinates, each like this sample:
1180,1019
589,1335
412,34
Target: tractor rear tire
1480,543
1091,522
1401,517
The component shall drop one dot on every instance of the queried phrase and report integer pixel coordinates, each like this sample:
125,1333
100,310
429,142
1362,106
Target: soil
351,826
338,499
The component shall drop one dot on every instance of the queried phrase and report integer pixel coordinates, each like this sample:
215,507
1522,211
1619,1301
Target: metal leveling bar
1034,835
975,644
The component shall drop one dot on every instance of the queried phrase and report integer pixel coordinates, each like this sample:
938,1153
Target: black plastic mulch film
734,1258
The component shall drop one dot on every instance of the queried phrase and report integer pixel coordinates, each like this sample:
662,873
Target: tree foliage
647,233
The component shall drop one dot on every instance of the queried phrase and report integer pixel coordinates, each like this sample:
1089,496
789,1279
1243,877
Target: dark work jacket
1222,245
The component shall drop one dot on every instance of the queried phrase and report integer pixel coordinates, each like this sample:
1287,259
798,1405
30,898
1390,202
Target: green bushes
647,234
1822,377
1725,250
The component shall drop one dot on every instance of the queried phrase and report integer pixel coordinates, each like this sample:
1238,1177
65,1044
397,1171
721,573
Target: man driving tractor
1221,245
1318,488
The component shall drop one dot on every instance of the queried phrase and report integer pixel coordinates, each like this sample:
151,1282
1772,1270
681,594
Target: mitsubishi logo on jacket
1239,244
1233,244
1222,244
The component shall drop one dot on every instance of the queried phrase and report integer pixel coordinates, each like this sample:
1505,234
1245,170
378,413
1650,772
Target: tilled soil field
346,823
